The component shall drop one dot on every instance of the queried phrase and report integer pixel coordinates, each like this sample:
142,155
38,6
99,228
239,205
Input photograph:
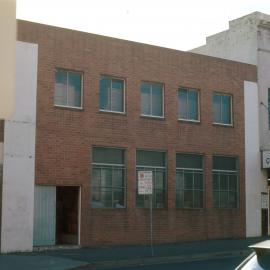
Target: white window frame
198,103
227,172
150,115
96,165
82,82
231,104
124,94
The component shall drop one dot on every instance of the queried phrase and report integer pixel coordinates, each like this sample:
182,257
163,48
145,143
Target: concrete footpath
126,256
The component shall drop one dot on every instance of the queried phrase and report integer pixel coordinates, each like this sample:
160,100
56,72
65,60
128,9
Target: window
111,94
225,182
155,162
152,99
188,100
222,109
108,178
189,181
68,88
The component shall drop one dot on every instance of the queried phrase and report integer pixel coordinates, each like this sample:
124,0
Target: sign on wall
265,159
145,182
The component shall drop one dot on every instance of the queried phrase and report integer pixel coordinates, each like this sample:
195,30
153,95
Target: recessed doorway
67,213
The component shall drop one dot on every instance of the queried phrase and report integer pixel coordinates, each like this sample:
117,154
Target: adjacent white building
17,156
248,40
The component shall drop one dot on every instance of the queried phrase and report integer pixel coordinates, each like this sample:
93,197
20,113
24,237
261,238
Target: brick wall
65,136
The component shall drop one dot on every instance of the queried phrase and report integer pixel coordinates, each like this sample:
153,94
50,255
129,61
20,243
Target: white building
248,40
17,156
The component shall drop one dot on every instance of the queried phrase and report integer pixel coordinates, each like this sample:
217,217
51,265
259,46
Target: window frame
97,165
82,88
154,169
231,109
227,173
198,104
124,93
193,170
163,100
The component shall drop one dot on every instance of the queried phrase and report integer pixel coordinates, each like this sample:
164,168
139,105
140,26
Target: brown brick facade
65,136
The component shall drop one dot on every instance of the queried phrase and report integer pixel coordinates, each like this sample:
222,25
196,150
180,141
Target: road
220,264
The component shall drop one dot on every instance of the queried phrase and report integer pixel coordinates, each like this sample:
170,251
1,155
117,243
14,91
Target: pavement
63,258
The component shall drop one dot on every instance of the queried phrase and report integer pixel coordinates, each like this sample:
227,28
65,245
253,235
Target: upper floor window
188,104
222,109
156,162
225,182
189,181
152,99
68,88
108,178
111,94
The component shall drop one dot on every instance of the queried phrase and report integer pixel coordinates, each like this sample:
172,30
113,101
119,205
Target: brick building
108,108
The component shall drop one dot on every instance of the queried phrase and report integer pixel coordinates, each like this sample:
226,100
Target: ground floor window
156,162
189,181
108,178
225,182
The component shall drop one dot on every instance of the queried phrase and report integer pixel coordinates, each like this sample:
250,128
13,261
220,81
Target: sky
177,24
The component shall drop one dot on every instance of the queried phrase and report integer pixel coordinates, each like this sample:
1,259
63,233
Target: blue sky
178,24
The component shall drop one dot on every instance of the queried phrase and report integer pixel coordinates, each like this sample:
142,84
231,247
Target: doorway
67,213
56,215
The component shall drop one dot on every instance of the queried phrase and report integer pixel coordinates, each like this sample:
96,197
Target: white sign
145,182
266,159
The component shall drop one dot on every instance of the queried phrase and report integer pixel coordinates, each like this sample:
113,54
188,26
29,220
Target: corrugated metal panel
44,215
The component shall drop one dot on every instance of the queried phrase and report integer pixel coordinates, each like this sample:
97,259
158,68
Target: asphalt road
220,264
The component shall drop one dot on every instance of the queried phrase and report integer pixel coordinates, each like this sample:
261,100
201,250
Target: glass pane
224,182
224,163
188,180
60,94
216,198
223,199
217,108
157,100
108,155
188,199
96,178
226,109
106,197
182,103
159,180
180,199
74,89
105,94
106,177
117,96
268,107
150,158
96,198
179,180
160,199
216,181
233,182
118,198
193,104
198,199
145,99
198,180
118,178
189,161
232,200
